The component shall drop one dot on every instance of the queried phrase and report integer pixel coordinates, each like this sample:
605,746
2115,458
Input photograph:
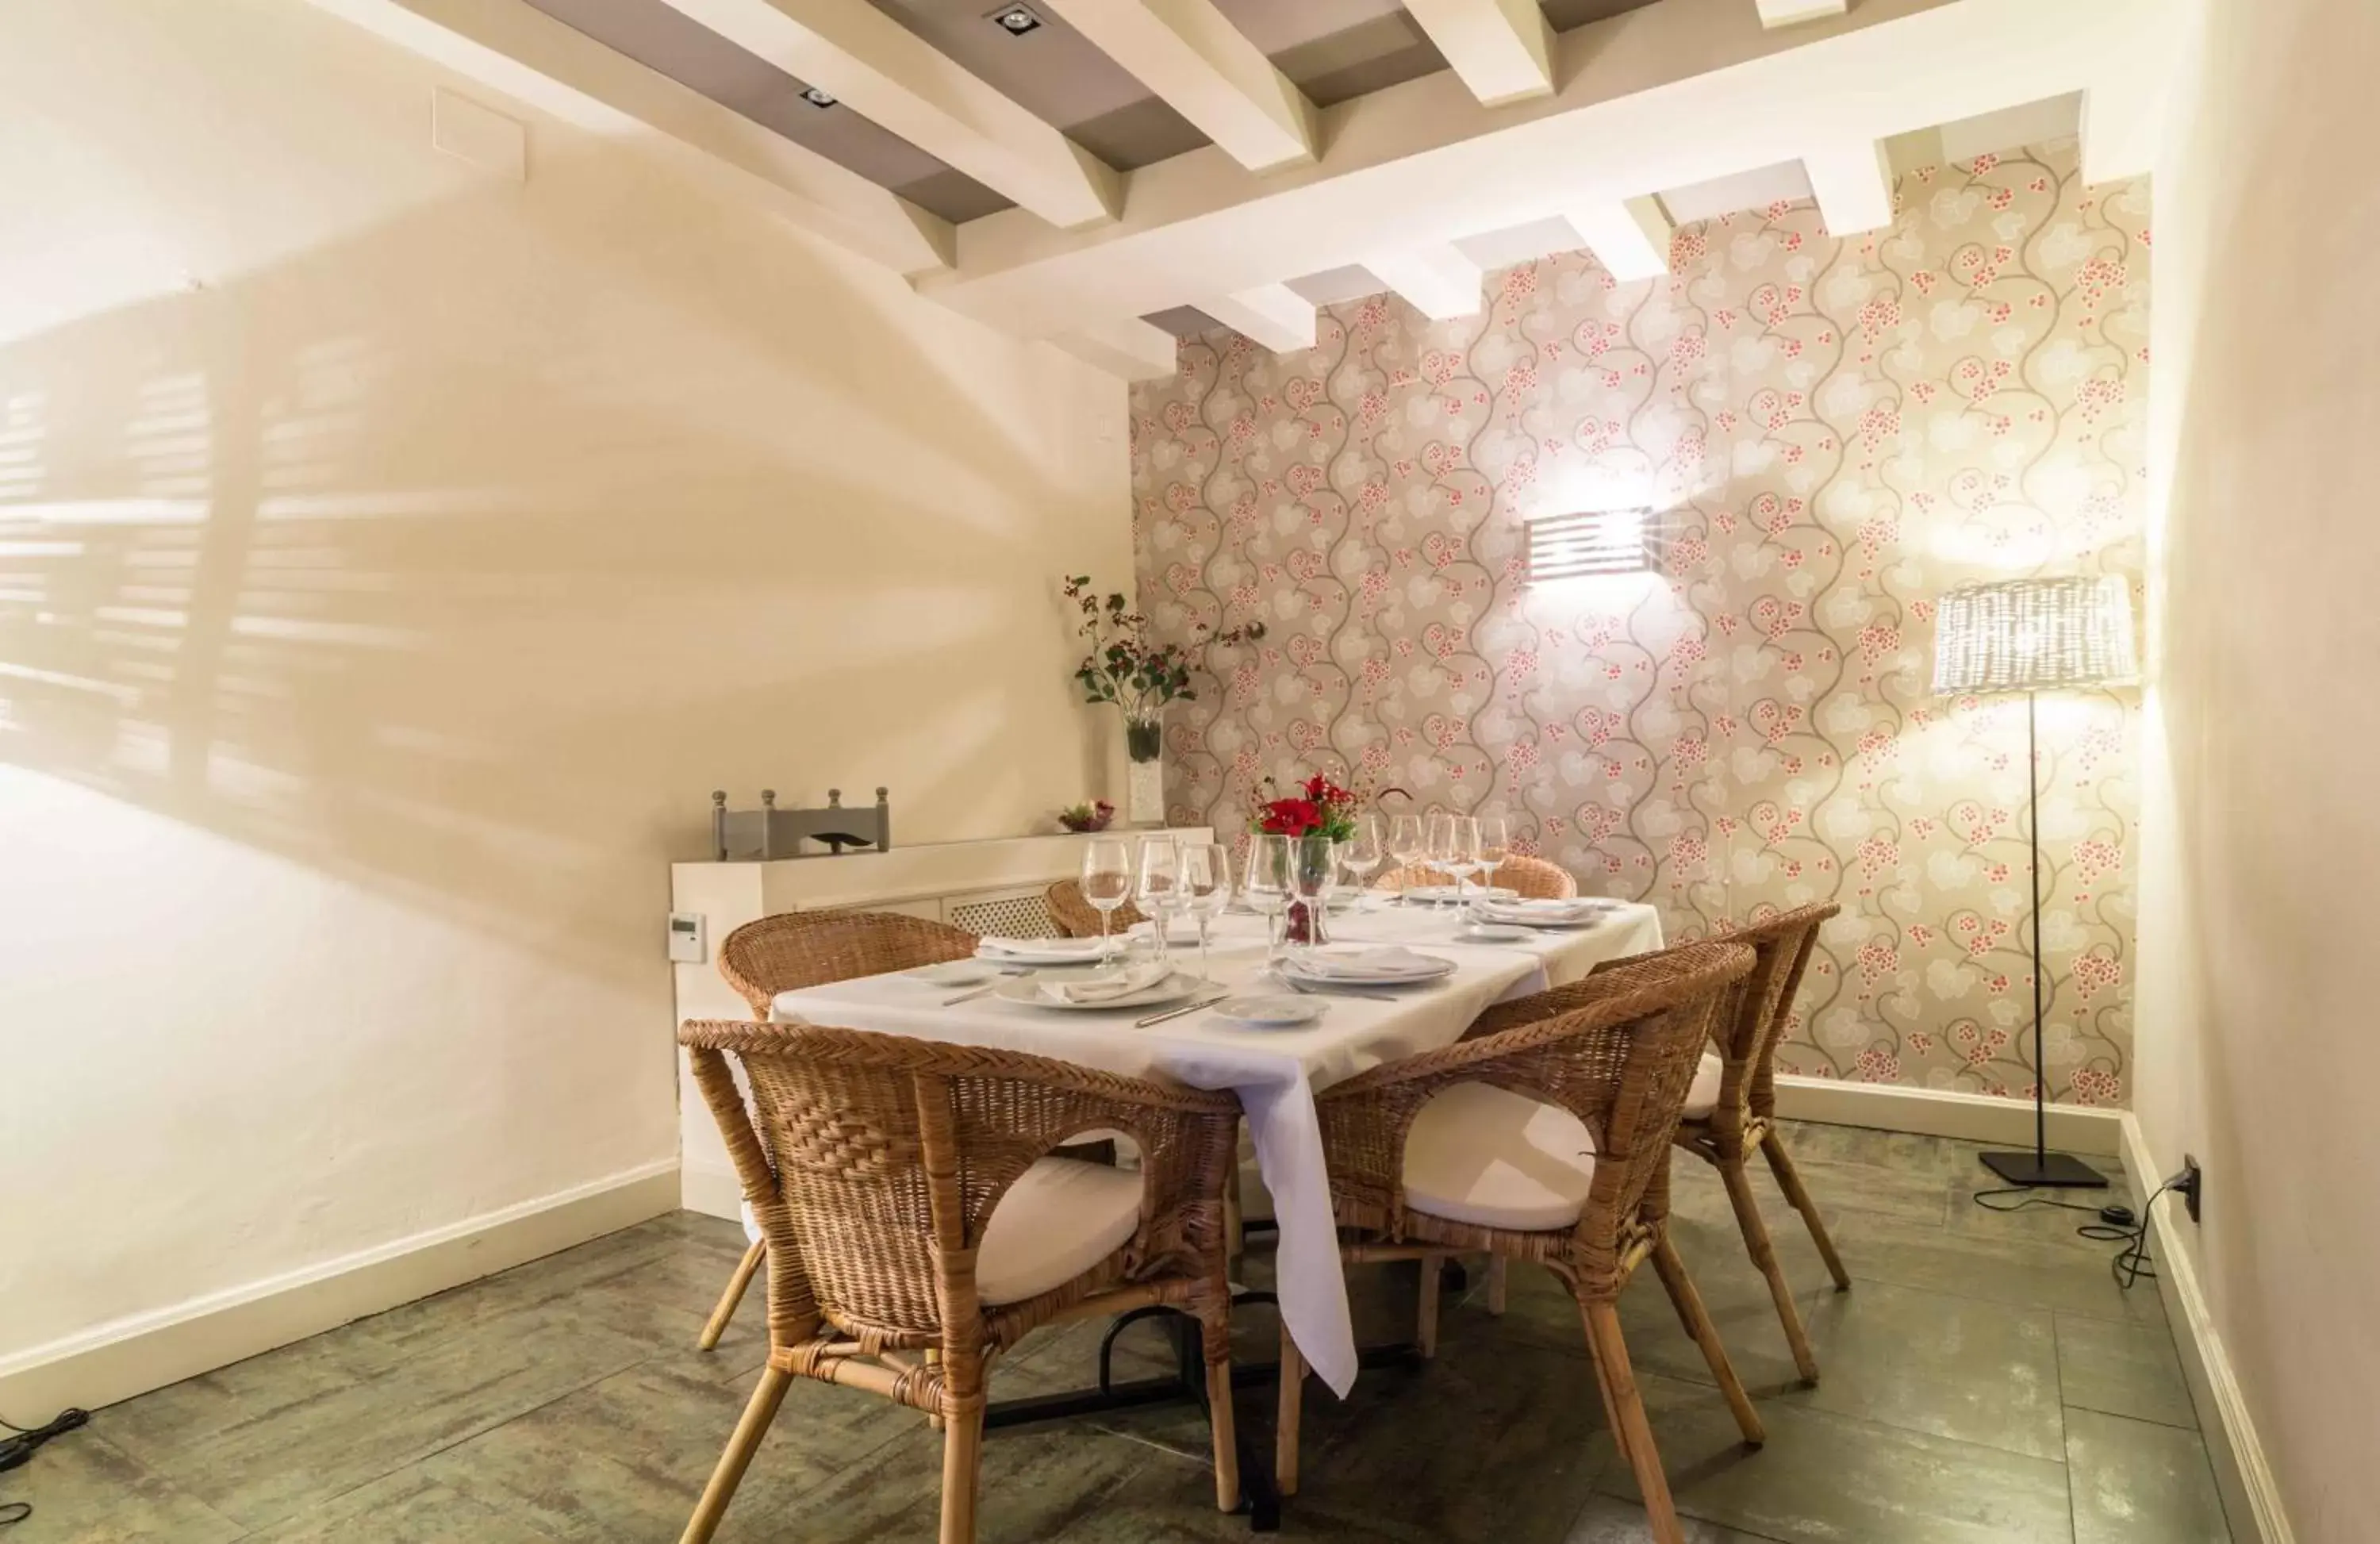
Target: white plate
1270,1013
1586,919
1436,893
956,973
1436,969
1173,989
1061,951
1491,934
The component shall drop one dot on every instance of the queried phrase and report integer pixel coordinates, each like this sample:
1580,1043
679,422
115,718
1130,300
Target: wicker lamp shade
2034,634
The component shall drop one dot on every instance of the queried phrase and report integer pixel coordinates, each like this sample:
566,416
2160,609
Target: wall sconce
1586,544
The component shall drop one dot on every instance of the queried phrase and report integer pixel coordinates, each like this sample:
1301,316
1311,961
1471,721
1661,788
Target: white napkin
1178,929
994,947
1108,984
1356,965
1544,910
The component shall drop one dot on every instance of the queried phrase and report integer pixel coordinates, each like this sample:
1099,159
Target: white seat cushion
1061,1217
1489,1157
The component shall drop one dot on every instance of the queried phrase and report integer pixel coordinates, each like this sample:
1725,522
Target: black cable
2131,1265
18,1449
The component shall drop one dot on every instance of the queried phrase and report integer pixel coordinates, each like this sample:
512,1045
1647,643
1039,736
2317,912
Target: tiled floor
1984,1380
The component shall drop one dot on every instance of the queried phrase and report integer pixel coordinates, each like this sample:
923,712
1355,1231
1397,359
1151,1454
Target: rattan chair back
1077,917
799,949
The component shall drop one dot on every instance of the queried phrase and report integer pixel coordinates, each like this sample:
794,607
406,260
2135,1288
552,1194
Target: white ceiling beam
1437,281
1205,68
1273,316
1853,184
1130,349
894,79
1669,95
1502,49
1630,237
1793,12
514,48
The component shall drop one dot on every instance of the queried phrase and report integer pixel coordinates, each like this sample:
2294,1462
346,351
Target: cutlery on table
972,995
1200,1006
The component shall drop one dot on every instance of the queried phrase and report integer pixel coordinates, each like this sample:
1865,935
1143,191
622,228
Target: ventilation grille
1023,915
1584,545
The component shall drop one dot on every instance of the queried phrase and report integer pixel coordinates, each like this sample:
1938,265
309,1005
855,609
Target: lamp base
2046,1170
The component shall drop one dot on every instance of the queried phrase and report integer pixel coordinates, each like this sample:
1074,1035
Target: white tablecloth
1275,1073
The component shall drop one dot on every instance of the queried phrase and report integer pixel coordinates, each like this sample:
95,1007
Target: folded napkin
1544,910
1356,965
1086,947
1107,984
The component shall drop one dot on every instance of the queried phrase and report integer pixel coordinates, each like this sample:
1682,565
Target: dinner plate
1437,893
956,973
1586,917
1173,988
1058,951
1433,968
1270,1012
1492,932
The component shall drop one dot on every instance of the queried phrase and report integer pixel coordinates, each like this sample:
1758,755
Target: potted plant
1126,666
1088,816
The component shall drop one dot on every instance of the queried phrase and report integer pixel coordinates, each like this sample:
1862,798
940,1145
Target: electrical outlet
2191,1184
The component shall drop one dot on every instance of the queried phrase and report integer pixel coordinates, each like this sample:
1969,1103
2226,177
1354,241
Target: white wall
2256,1024
379,608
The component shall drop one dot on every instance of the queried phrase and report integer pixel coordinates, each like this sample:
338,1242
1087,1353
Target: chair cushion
1061,1217
1492,1158
1489,1157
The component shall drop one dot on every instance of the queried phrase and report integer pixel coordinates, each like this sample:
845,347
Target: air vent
1587,544
817,96
1016,20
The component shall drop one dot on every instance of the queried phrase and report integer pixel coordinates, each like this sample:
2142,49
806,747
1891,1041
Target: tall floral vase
1317,857
1143,740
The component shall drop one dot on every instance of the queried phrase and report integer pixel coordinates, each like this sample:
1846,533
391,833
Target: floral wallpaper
1828,435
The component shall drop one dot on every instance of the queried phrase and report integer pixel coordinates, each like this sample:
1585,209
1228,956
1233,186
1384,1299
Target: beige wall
2258,1050
376,618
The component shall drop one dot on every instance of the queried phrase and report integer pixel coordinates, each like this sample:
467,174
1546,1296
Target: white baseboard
1940,1113
711,1189
148,1351
2252,1496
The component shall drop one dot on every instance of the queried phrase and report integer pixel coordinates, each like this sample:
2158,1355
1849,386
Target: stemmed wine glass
1107,883
1455,844
1494,847
1205,889
1408,845
1360,853
1271,885
1159,890
1437,845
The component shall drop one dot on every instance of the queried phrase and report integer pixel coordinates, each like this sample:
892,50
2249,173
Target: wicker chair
809,949
1548,1142
1531,878
878,1167
1077,917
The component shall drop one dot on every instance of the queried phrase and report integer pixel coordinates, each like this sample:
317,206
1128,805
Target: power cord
2115,1224
18,1448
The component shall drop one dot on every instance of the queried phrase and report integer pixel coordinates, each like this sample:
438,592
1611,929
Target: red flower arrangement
1318,806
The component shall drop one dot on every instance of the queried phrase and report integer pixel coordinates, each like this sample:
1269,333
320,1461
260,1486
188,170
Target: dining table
1275,1071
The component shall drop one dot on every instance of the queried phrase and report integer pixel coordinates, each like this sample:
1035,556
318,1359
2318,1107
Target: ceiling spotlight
1016,20
817,96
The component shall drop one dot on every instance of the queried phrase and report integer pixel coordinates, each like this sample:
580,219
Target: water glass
1408,844
1360,853
1494,847
1271,885
1159,889
1107,881
1205,889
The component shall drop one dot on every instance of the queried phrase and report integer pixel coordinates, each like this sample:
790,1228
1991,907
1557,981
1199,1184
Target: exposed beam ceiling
1793,12
1439,282
1274,315
1676,94
510,47
888,74
1502,49
1630,237
1852,183
1190,55
1129,349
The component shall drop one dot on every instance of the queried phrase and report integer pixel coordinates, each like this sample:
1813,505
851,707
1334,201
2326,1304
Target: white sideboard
986,887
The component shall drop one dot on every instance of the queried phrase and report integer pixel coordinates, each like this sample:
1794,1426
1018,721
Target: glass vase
1317,860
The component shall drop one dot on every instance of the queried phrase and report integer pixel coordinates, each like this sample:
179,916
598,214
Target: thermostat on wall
685,937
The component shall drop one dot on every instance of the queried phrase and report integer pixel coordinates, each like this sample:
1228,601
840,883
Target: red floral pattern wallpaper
1829,434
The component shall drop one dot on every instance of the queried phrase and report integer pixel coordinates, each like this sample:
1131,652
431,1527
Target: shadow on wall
464,558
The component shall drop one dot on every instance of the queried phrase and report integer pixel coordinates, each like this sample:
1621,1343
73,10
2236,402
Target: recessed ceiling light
817,96
1016,20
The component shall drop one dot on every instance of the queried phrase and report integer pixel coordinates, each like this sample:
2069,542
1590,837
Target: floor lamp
2034,636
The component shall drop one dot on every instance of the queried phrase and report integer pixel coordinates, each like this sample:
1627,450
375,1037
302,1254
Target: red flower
1291,817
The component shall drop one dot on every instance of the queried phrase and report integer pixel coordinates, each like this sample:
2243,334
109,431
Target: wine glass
1494,847
1271,883
1360,853
1408,845
1159,891
1107,881
1437,845
1205,889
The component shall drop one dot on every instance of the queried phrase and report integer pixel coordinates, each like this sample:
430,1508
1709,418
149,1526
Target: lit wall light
1585,544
